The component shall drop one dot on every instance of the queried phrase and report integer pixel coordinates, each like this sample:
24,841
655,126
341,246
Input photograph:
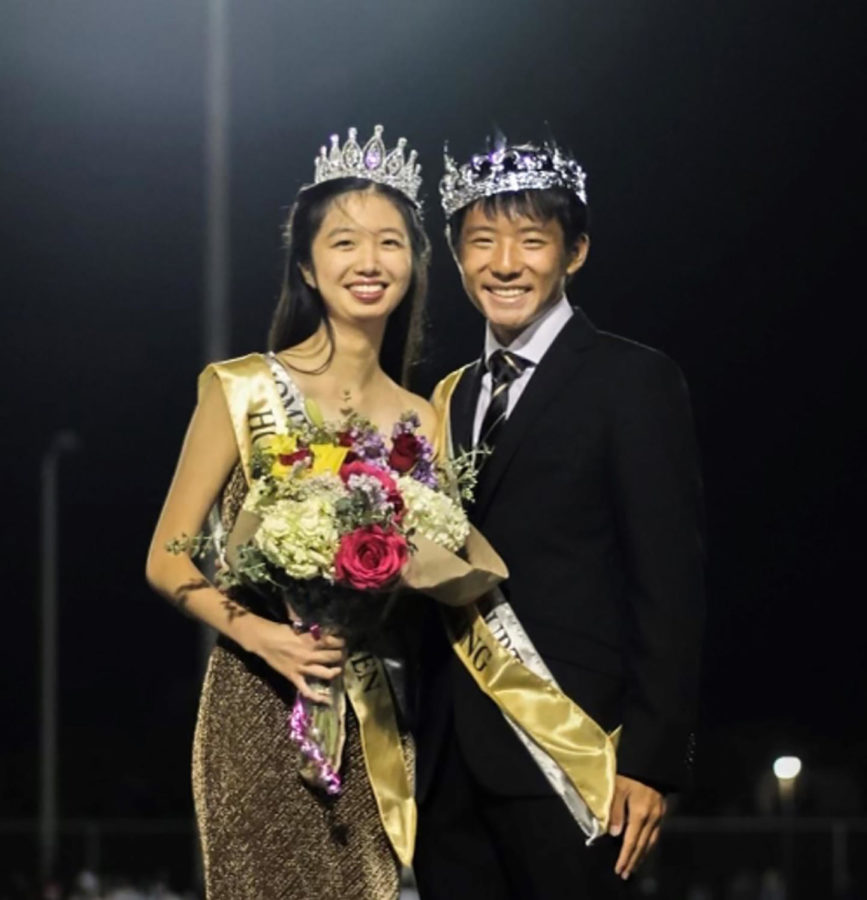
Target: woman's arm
207,456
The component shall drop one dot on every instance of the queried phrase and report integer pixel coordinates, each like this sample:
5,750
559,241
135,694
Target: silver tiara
372,162
519,168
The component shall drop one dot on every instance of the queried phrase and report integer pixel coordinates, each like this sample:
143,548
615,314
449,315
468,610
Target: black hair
542,204
300,309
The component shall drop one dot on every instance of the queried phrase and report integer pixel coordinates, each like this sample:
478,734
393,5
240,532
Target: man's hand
641,808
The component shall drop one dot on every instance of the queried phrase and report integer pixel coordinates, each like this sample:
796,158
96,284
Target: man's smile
510,293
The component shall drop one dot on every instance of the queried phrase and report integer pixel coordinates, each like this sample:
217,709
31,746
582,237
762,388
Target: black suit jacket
592,498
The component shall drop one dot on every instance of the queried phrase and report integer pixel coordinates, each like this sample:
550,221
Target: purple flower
372,489
369,445
409,423
424,472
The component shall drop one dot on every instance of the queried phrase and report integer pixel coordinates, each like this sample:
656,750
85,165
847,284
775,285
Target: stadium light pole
217,268
217,271
216,262
62,442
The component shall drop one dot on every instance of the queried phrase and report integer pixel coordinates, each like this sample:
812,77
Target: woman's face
361,257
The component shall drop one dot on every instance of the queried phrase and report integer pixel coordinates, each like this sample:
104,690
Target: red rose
288,459
395,498
405,452
344,439
369,558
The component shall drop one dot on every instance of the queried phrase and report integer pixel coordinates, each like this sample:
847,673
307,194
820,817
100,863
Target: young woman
342,335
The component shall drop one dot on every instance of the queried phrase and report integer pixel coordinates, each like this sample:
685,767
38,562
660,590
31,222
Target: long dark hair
300,309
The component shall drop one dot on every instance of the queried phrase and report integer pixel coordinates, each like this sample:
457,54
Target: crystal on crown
505,169
372,162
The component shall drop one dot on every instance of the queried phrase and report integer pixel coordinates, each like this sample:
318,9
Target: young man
591,494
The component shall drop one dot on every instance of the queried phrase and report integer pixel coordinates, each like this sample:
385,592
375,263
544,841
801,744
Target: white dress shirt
532,344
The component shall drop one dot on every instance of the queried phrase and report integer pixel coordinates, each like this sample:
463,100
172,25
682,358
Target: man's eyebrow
526,229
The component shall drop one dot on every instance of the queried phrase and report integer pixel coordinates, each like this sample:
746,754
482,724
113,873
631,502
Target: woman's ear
307,275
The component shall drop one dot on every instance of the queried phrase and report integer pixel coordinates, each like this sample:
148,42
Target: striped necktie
504,367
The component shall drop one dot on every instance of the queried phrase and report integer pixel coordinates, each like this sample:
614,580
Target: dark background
721,142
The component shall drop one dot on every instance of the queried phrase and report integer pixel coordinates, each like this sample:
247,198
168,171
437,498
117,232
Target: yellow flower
327,458
279,445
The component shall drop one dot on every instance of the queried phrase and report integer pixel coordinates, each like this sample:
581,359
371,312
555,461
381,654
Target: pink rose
393,495
368,558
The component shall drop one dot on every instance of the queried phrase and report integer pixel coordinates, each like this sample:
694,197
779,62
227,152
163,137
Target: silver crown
521,168
372,162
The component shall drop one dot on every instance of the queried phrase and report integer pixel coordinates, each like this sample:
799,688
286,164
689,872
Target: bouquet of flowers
335,521
336,513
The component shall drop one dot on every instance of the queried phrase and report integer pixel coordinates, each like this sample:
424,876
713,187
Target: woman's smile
367,291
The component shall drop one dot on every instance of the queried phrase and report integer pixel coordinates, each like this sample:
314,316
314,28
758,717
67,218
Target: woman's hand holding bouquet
299,656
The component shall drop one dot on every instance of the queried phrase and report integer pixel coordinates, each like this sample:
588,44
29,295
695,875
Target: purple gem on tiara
373,158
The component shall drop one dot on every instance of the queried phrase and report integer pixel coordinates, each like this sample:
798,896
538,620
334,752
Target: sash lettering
479,652
498,629
261,425
366,671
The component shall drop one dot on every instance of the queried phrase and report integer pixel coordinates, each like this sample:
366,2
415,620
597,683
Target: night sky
720,141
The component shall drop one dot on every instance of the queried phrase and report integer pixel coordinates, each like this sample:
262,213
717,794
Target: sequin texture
265,834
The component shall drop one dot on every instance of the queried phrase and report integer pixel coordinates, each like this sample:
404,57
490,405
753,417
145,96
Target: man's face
514,268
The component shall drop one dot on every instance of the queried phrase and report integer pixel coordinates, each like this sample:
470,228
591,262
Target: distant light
787,767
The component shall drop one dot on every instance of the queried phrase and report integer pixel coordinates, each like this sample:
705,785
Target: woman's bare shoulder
426,413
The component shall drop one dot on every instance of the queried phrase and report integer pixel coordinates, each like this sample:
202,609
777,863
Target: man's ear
579,254
307,275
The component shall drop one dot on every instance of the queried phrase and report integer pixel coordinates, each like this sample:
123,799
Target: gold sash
256,411
253,400
370,696
579,746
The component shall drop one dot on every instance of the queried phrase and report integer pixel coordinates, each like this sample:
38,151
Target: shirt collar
533,342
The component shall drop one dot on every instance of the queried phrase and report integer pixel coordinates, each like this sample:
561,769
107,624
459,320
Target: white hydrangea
433,514
300,536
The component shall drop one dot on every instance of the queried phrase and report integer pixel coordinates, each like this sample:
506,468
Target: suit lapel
555,372
462,409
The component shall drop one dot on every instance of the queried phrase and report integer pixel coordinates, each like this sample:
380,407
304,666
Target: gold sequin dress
265,834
